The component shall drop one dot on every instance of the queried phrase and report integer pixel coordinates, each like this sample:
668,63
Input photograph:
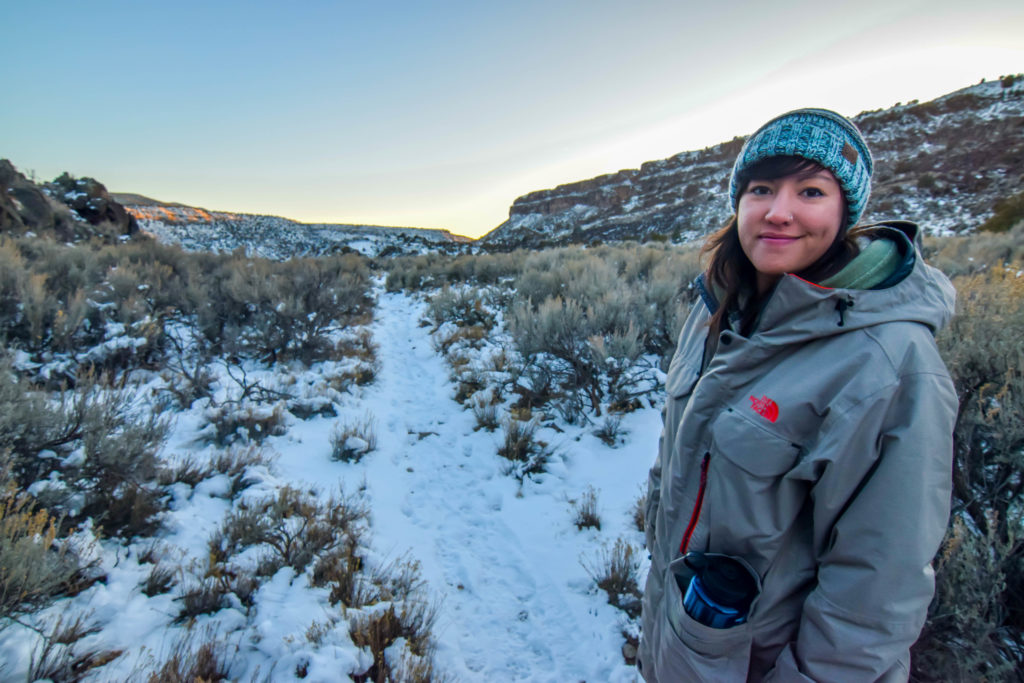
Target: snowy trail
504,563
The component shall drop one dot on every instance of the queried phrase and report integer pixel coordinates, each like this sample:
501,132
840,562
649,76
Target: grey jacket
818,450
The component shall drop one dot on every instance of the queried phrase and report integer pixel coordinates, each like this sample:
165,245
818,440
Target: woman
807,446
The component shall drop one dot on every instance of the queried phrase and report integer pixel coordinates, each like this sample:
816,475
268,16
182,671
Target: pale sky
439,114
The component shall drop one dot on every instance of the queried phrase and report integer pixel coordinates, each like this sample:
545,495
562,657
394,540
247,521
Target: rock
89,199
24,206
66,207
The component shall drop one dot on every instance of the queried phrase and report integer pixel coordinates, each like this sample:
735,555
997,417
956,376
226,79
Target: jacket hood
798,310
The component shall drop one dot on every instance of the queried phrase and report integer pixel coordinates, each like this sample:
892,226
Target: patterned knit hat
819,135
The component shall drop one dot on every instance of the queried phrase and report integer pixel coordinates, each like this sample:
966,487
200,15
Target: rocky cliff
942,163
69,208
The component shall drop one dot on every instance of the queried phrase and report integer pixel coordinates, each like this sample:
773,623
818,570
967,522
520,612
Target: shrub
188,663
472,336
281,311
520,446
342,569
615,572
1006,214
639,513
350,441
35,566
59,659
464,307
293,528
585,508
976,621
186,471
245,421
160,580
378,631
610,430
94,442
965,638
235,463
485,412
207,596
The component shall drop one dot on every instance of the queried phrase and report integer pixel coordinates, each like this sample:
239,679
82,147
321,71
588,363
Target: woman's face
787,224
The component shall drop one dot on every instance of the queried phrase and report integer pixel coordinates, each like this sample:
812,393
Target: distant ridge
274,237
127,198
943,164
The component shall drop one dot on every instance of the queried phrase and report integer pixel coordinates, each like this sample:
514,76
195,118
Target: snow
502,559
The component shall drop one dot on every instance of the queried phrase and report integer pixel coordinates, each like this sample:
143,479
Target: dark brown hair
732,274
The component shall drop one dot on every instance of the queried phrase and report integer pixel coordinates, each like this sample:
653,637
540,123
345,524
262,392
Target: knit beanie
820,135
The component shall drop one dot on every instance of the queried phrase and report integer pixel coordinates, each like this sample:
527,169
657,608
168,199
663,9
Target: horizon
441,117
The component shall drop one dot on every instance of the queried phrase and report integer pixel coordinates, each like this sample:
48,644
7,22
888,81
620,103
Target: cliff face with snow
274,237
942,163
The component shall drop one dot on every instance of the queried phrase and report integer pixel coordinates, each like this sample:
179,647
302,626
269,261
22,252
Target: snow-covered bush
610,430
352,439
87,452
485,411
586,317
245,421
520,446
274,311
615,571
291,529
209,660
432,271
408,625
461,306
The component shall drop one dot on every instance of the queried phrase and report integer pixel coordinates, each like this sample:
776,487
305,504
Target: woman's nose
780,210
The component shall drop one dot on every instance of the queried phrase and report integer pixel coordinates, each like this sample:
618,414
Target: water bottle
721,590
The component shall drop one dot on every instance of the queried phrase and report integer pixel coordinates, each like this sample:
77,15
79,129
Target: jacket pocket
687,650
754,449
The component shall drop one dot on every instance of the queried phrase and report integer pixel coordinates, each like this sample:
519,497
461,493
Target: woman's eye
759,189
813,192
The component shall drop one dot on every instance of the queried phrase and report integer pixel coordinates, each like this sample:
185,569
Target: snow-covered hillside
280,238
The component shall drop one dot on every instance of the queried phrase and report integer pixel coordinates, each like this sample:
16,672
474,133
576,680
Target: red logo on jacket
765,407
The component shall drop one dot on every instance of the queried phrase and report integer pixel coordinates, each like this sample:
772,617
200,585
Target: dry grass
585,509
353,439
615,572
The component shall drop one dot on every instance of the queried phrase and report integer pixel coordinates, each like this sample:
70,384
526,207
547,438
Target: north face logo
765,407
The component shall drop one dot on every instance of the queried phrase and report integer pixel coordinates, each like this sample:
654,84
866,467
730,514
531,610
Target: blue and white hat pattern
820,135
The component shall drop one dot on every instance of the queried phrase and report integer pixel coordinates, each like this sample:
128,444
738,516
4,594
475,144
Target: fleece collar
886,257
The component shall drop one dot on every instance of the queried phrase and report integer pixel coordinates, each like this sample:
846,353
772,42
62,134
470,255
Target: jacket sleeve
881,507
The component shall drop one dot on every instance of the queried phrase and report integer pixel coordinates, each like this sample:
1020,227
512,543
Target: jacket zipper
695,515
